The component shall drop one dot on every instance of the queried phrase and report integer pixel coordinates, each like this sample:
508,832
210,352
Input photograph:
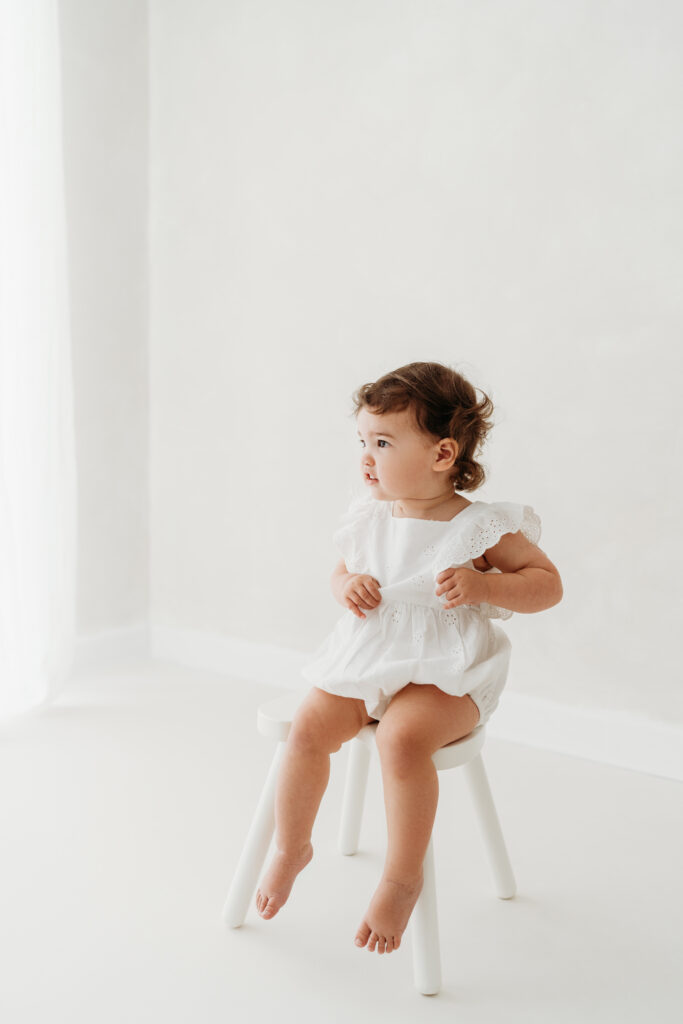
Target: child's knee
326,721
399,745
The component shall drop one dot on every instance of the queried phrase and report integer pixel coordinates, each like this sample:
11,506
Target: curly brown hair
443,403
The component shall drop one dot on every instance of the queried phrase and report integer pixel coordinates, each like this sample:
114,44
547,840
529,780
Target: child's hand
361,591
462,586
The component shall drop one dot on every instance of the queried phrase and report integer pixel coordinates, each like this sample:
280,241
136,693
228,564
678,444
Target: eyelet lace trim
482,532
487,529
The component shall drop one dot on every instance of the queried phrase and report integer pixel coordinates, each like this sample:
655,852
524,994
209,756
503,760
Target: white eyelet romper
409,637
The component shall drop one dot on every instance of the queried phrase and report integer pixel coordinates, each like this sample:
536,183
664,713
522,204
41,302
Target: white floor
124,809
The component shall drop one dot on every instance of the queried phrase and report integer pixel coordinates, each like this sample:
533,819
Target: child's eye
380,441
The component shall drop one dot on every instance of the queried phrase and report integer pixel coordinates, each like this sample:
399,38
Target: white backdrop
336,189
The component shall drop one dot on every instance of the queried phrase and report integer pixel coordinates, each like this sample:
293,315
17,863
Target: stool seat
274,719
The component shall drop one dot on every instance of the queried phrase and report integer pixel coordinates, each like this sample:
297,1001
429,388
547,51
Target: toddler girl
423,572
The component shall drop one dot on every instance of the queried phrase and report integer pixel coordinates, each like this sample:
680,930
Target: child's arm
527,582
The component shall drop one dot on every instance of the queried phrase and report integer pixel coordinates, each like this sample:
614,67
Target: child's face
405,462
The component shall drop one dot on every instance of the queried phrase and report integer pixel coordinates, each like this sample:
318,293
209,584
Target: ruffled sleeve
351,534
485,524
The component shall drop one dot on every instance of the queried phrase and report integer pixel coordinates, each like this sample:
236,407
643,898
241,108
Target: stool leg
354,797
254,851
490,828
424,925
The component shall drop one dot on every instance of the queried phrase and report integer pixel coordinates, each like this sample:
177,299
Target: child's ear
448,449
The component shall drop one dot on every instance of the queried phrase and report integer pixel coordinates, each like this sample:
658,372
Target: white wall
105,73
340,188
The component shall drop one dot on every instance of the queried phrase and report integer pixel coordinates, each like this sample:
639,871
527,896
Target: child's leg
419,720
322,723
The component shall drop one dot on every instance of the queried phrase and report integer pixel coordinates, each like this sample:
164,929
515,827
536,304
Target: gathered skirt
459,650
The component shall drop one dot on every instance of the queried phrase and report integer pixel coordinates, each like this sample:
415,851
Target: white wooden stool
274,719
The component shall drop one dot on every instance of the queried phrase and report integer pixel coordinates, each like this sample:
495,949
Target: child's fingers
352,608
368,595
370,586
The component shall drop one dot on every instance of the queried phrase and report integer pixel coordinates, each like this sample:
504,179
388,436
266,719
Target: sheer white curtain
37,451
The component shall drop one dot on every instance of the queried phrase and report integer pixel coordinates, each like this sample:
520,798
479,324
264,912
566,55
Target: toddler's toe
362,935
271,907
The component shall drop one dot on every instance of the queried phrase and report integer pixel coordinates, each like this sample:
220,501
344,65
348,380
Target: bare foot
278,881
388,914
